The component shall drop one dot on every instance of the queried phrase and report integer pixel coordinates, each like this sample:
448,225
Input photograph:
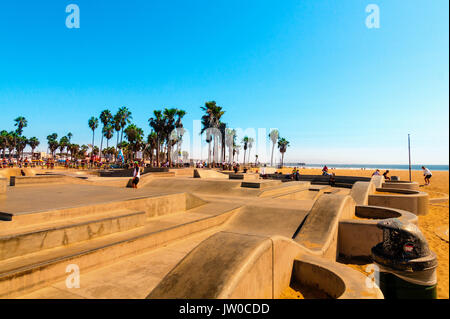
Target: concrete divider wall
377,180
319,233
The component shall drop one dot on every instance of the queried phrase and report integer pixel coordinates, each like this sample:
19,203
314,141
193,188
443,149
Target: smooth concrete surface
401,185
3,182
412,201
377,180
319,232
209,174
360,192
38,179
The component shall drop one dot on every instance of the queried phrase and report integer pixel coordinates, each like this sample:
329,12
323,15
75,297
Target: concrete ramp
319,233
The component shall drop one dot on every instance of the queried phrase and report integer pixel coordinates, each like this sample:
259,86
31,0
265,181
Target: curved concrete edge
319,233
360,192
412,201
256,267
337,280
377,180
400,185
350,245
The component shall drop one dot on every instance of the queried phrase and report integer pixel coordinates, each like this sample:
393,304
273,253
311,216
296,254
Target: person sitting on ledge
332,180
136,175
325,171
386,177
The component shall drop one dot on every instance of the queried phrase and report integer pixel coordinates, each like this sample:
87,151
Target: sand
437,218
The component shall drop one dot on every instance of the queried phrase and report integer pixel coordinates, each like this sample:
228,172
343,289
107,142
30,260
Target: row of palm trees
221,137
163,144
15,141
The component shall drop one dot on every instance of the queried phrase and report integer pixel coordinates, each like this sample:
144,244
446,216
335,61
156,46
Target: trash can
407,267
395,178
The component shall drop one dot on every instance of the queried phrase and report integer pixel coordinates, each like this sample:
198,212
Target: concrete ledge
246,177
38,179
117,173
155,170
319,233
412,201
66,233
209,173
360,192
401,185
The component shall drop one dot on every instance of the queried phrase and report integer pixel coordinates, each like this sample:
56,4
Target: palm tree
250,145
169,126
69,136
273,135
53,144
116,124
108,132
21,143
33,142
3,141
21,123
211,123
230,143
152,141
93,124
157,123
11,142
106,118
283,144
63,143
245,142
125,118
134,136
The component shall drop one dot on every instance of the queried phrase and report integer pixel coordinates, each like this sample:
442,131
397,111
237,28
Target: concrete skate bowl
35,252
356,237
231,265
412,201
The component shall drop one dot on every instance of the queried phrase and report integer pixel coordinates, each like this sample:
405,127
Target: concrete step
284,189
24,274
26,240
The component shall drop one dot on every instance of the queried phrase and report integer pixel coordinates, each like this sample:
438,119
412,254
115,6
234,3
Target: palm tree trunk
282,159
271,158
101,148
157,152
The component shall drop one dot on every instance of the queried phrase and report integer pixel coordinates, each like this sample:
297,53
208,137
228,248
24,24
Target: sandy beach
437,217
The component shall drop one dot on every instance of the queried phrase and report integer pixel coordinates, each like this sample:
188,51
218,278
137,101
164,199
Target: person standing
427,174
136,175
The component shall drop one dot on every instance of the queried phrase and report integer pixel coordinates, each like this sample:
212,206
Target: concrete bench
117,173
155,170
39,179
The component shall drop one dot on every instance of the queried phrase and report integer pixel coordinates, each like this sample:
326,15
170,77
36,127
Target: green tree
134,136
106,118
53,144
283,144
33,142
93,124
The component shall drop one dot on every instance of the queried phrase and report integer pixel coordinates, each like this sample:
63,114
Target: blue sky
338,91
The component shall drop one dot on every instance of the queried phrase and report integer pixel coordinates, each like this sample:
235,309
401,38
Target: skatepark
193,233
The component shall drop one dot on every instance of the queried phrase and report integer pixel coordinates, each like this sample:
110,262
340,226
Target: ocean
373,166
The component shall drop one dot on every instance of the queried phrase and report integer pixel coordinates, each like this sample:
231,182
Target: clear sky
337,90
